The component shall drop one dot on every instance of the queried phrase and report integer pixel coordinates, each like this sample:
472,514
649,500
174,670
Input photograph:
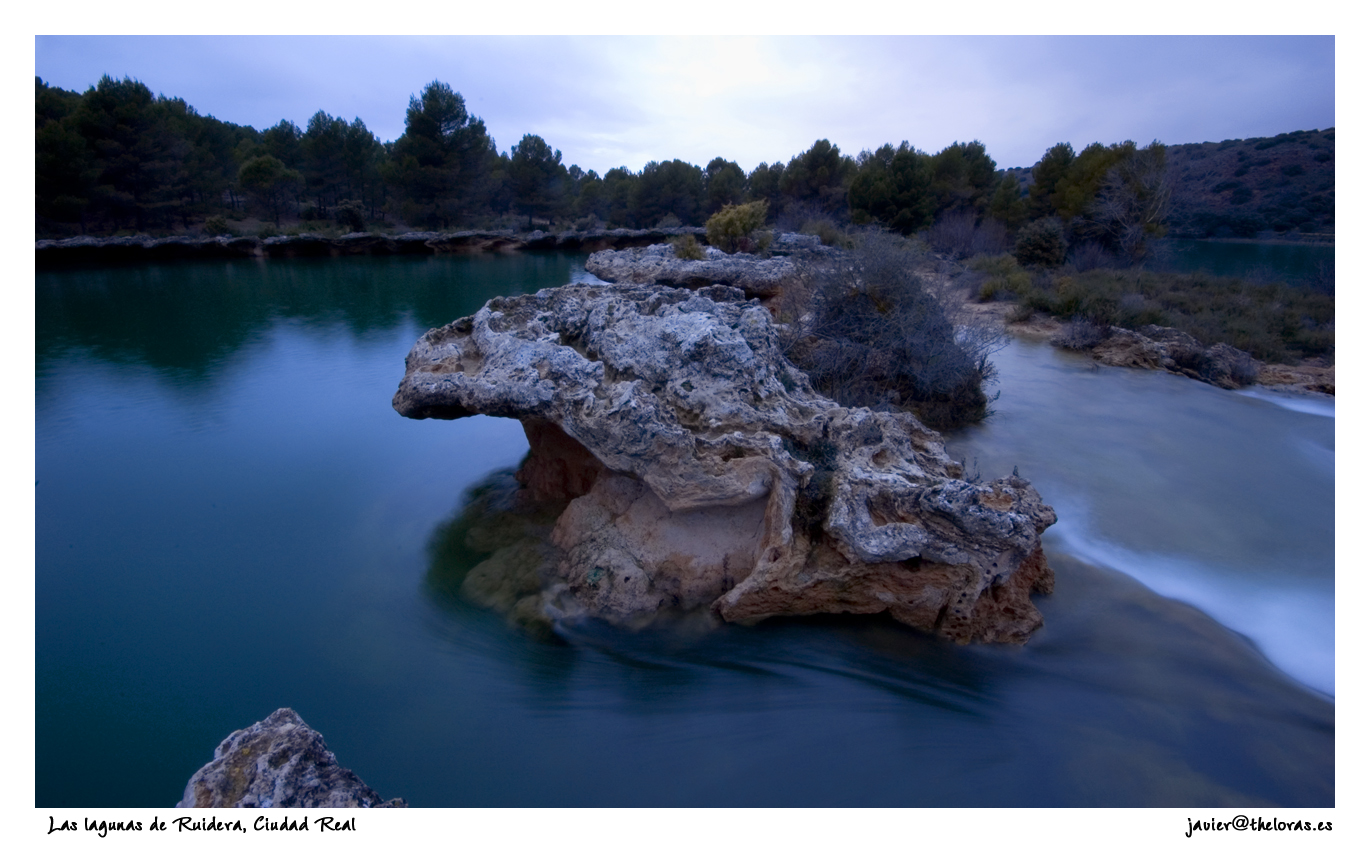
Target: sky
626,100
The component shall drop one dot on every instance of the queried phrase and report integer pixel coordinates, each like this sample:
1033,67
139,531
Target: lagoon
231,518
1296,263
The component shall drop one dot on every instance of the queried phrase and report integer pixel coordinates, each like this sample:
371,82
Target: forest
118,159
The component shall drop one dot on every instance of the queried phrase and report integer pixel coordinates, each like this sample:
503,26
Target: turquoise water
1292,263
231,518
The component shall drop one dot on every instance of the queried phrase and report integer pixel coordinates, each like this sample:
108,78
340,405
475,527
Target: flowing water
231,518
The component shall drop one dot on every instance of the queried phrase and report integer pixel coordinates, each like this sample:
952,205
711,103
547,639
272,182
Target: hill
1241,188
1244,188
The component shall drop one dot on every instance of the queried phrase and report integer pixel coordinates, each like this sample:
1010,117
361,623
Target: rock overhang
688,394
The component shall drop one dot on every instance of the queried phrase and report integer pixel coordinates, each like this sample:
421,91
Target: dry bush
880,332
687,248
1081,334
959,236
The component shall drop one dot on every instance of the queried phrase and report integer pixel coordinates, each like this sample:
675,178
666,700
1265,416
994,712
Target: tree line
118,158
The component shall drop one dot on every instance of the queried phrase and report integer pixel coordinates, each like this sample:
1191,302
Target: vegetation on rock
735,228
687,248
879,332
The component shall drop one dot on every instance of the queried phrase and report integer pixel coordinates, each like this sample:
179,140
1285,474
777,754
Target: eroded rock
759,278
1156,347
700,470
278,763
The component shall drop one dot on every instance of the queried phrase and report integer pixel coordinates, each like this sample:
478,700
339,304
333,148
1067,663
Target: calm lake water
231,518
1292,263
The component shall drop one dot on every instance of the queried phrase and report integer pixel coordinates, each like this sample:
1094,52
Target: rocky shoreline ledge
1155,347
140,248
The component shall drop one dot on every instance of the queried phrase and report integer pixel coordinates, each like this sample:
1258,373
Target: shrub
1081,334
1007,280
1041,243
350,215
1092,255
588,223
828,232
733,228
670,221
267,231
958,235
216,226
688,248
878,335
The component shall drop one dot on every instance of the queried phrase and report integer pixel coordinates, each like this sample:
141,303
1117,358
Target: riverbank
87,251
1312,375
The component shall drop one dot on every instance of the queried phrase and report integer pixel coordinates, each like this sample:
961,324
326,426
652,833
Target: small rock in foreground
278,763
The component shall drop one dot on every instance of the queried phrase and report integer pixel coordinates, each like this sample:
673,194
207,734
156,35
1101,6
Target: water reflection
184,319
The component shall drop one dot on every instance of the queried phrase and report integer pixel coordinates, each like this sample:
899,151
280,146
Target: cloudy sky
624,101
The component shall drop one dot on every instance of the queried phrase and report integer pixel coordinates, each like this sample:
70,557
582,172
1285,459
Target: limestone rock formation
700,470
278,763
759,278
1155,347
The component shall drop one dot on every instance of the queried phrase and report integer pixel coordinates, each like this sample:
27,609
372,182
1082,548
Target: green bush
1007,280
828,233
1041,243
216,226
688,248
350,216
734,228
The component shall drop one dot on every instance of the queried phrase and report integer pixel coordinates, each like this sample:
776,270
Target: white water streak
1290,621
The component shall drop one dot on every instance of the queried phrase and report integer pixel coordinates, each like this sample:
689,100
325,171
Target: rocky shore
111,250
694,470
1156,347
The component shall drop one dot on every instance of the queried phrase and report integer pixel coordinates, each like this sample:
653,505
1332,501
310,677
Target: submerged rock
278,763
700,470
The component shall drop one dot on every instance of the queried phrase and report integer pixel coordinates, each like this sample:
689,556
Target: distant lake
232,518
1292,263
